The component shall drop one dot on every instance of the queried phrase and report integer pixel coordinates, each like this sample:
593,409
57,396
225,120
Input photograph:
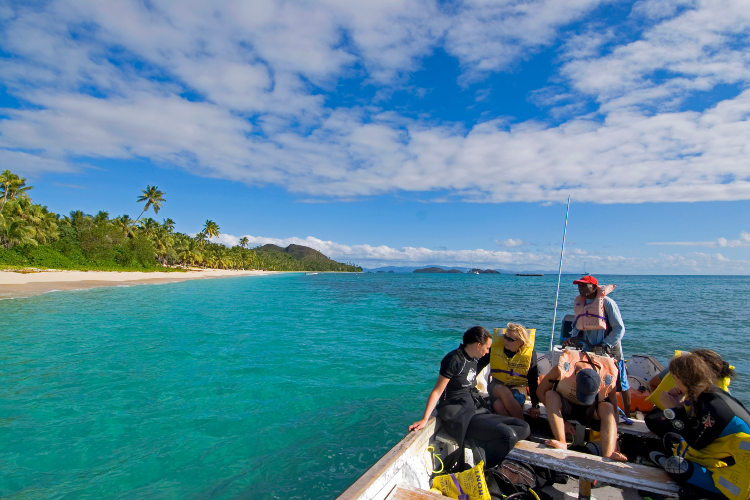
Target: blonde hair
519,330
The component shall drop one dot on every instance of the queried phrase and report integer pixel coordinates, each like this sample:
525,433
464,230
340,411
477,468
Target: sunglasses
510,339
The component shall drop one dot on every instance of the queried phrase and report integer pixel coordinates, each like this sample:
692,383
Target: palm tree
11,186
153,198
127,225
211,229
244,241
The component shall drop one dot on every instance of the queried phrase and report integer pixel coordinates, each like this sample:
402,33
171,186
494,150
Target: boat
404,472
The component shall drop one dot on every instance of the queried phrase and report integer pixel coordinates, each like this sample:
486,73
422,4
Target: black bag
512,479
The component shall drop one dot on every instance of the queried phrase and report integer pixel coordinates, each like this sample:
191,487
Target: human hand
418,425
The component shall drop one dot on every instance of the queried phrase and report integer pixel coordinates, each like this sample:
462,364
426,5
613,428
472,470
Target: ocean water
286,386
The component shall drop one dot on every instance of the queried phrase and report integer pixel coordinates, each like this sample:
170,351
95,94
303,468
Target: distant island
32,236
440,270
437,270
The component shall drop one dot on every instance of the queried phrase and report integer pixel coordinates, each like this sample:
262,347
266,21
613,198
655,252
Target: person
598,326
723,370
578,388
708,445
513,368
455,397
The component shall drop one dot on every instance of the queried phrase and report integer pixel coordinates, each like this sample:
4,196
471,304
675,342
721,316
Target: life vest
732,480
510,371
592,316
667,384
605,366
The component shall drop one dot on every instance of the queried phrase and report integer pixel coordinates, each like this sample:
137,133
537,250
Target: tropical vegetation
32,236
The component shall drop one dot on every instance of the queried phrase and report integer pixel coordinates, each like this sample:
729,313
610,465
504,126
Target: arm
615,321
547,384
432,402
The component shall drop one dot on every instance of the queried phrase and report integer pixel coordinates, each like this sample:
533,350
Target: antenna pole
559,273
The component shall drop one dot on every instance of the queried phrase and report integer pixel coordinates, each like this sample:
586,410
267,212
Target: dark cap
587,386
585,280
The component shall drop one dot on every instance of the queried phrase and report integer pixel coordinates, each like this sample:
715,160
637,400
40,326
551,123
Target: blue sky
398,133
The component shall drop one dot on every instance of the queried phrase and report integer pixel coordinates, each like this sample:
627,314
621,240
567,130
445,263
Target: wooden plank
637,429
591,467
411,493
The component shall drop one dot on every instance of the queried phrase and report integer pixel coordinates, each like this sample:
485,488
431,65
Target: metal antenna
559,272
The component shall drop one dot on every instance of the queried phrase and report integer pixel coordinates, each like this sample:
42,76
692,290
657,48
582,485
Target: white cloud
722,242
229,90
511,243
370,256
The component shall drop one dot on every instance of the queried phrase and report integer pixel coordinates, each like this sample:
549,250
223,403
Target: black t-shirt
461,370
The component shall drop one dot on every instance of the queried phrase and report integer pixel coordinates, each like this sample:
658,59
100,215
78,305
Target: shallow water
285,386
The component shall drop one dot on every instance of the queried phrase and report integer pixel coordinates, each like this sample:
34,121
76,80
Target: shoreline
14,285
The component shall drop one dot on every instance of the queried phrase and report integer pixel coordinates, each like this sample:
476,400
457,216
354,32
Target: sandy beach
25,284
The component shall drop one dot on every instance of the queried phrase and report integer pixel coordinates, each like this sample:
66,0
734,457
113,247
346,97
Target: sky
397,133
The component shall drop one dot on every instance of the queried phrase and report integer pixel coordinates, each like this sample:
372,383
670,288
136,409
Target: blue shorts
622,378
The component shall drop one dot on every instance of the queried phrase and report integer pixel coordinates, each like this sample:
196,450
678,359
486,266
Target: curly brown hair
714,361
693,372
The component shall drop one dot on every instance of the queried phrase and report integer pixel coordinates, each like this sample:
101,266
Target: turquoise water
287,386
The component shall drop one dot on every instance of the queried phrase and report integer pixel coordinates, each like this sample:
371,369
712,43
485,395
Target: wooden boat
405,472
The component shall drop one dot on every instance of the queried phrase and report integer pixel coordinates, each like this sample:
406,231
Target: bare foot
554,443
617,456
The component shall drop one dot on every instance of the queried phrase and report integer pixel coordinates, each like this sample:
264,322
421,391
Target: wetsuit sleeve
614,318
533,379
450,366
712,417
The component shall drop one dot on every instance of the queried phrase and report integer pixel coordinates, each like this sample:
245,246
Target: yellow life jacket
732,480
510,371
667,384
607,370
592,316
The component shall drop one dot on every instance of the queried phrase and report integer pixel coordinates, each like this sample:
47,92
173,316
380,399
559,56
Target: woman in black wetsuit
457,403
707,439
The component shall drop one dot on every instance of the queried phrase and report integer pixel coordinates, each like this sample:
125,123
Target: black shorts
583,414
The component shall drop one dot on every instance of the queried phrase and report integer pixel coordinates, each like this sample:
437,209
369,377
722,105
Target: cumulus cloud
511,243
722,242
241,91
371,256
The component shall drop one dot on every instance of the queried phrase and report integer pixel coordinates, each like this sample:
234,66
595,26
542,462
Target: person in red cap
598,326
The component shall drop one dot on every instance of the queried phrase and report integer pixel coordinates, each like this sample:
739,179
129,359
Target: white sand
24,284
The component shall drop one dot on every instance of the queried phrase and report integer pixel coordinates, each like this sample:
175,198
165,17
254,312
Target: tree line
31,235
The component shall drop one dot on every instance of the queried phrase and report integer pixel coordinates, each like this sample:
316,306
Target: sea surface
284,386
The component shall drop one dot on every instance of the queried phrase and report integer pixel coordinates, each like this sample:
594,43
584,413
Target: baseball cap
586,279
587,385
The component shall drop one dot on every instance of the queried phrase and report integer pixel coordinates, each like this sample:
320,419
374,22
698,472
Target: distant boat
529,274
310,274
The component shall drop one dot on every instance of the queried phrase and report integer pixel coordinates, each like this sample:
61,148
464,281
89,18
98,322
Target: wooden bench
588,468
638,428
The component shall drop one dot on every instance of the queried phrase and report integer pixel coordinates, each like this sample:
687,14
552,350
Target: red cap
586,279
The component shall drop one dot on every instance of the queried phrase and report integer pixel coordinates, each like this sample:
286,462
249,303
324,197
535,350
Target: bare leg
556,423
608,418
626,402
507,402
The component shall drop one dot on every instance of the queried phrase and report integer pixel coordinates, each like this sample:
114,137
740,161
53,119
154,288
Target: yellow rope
431,450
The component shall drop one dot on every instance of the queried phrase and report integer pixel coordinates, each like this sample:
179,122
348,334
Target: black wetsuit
716,414
463,416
